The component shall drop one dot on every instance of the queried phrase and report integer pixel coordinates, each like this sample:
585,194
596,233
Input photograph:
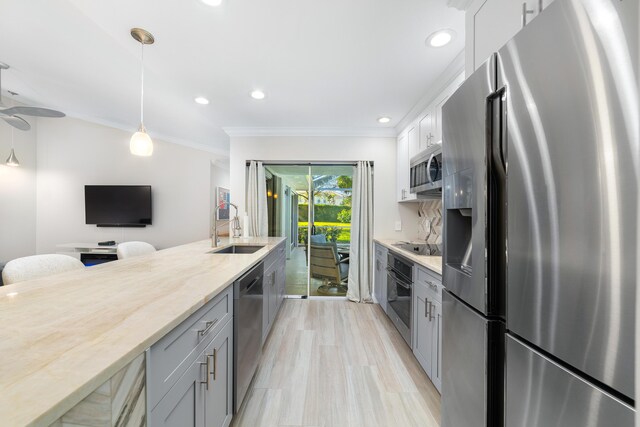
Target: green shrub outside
323,213
334,234
345,216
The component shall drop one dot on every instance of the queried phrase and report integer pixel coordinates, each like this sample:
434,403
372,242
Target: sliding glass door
311,206
287,203
330,229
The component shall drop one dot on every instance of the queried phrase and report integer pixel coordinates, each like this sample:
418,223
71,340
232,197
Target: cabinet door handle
215,363
426,307
525,11
431,316
540,5
208,369
208,326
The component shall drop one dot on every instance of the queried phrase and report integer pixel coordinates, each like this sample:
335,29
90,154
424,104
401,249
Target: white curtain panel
361,252
257,200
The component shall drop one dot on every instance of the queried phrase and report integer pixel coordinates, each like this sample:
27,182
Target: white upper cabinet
414,142
426,130
423,132
437,109
492,23
403,170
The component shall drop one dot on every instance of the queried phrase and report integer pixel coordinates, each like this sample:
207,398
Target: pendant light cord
142,85
13,104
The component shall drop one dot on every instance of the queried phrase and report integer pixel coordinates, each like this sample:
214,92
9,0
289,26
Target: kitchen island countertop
64,335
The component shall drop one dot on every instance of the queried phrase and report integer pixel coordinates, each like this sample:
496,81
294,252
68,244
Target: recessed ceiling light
440,38
212,2
384,120
201,100
257,94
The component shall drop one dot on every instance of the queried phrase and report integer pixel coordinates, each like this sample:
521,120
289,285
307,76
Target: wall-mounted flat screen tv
117,205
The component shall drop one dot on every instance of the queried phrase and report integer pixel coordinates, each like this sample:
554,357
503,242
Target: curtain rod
296,163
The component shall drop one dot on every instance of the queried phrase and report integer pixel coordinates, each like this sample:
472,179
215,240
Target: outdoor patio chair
325,264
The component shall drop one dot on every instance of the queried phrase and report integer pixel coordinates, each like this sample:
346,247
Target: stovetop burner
420,248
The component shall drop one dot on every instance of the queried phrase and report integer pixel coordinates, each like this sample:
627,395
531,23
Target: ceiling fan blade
32,111
17,122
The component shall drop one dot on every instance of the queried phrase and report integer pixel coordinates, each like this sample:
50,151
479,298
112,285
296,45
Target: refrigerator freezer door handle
496,199
503,129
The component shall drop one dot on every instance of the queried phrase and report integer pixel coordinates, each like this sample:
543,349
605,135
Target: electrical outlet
398,225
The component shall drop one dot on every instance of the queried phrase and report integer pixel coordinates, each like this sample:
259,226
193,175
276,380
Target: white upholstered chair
131,249
37,266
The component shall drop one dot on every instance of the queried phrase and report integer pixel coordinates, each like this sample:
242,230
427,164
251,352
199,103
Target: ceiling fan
9,114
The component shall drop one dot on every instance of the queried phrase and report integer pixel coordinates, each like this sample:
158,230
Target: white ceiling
323,64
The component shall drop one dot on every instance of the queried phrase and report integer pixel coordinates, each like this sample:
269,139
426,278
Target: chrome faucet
215,240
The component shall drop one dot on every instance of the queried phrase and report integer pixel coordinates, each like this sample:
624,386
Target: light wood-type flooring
337,363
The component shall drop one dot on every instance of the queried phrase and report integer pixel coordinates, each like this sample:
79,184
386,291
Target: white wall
18,193
73,153
219,178
382,151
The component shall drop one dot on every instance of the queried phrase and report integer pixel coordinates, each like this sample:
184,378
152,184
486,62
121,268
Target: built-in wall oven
426,172
399,289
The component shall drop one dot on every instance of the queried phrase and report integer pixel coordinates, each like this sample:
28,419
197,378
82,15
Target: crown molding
450,73
382,132
459,4
222,153
222,163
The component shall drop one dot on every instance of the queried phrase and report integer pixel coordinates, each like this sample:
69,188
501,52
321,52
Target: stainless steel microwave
426,172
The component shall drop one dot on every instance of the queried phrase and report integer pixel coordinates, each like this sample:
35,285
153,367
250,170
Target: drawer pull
208,327
433,286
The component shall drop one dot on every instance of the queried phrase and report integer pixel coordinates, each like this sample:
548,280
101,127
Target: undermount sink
237,249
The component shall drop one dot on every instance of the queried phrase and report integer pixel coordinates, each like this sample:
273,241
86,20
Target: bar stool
132,249
37,266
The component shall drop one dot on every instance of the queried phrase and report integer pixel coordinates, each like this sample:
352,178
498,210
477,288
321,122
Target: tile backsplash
430,221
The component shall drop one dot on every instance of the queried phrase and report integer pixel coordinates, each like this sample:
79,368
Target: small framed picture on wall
223,198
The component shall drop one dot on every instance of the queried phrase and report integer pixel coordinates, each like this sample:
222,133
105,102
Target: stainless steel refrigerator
541,174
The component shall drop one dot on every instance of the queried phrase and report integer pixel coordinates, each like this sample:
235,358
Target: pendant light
12,160
141,144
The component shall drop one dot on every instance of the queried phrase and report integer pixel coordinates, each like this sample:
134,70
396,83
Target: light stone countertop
433,263
62,337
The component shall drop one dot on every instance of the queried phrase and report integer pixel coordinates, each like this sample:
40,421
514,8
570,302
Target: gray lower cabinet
422,328
218,409
273,286
281,278
203,395
190,370
183,405
427,324
380,275
436,344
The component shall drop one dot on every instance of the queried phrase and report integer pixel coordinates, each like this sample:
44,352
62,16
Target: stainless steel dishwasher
247,331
